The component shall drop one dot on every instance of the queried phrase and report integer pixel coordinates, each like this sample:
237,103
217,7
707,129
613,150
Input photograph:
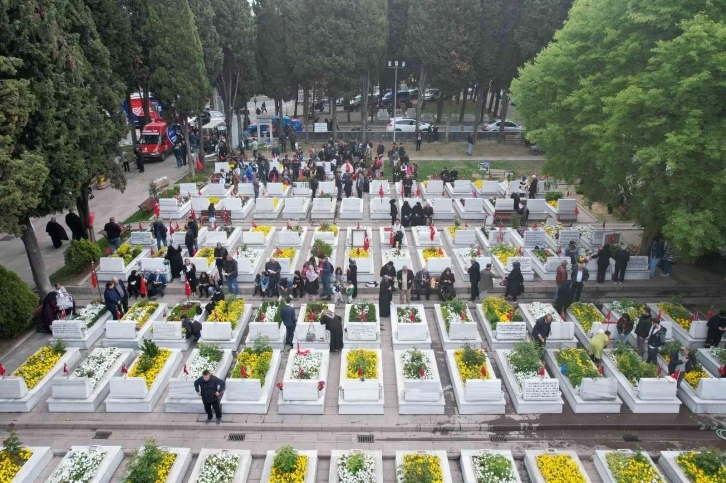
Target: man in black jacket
656,340
405,282
716,327
541,329
210,388
193,328
192,226
622,257
603,262
113,233
579,277
289,321
474,275
642,329
220,255
273,269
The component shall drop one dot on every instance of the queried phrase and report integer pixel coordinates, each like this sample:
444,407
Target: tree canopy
628,100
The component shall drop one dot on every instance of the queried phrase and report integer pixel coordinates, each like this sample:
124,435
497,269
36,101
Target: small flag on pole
2,370
65,369
157,210
141,227
124,370
186,371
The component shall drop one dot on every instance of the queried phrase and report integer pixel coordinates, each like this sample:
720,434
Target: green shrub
80,254
554,195
18,302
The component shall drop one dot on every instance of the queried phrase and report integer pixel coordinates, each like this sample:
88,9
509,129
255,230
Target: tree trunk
334,117
185,131
480,95
491,99
305,108
35,259
502,138
84,211
297,95
364,106
422,80
280,120
240,126
496,104
346,107
439,108
448,118
145,107
463,104
483,103
200,136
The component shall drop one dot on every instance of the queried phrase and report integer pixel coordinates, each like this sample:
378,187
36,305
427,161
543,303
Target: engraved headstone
67,329
362,332
525,263
540,389
265,205
167,330
566,236
358,237
534,238
511,331
141,238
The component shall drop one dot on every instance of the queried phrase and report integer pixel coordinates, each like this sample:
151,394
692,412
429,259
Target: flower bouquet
128,252
150,458
264,229
307,365
455,312
503,253
702,466
525,360
183,309
542,254
493,468
408,314
631,468
358,253
632,366
632,308
472,363
362,364
208,253
97,365
206,358
576,365
253,362
678,313
228,311
314,310
416,365
38,365
89,315
420,468
140,312
270,311
13,457
328,227
539,310
285,253
432,252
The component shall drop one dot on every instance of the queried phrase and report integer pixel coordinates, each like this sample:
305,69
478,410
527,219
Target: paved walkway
107,203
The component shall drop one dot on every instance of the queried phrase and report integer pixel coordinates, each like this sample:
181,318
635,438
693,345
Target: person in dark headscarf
334,325
176,262
133,284
76,225
50,306
406,211
385,295
388,269
352,276
417,216
394,211
516,198
56,232
515,282
446,284
428,214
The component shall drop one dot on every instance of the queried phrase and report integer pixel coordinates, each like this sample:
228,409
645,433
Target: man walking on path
486,280
230,271
470,142
289,321
474,279
210,388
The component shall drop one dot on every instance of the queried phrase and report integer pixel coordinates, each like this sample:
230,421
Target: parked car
405,124
509,126
287,121
432,94
402,97
355,103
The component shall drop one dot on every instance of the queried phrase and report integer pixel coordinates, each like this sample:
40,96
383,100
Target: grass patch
470,169
136,217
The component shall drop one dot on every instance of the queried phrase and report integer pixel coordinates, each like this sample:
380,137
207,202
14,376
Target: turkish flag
157,210
176,228
721,370
141,227
152,251
710,313
418,191
660,369
242,372
171,228
476,195
421,372
603,225
483,371
432,234
289,226
676,374
142,287
118,314
2,370
535,226
360,373
601,370
577,212
94,278
412,317
366,243
254,225
65,369
520,251
194,214
107,251
443,193
199,192
392,239
186,371
466,224
187,288
559,250
608,316
124,370
357,226
214,226
380,191
541,371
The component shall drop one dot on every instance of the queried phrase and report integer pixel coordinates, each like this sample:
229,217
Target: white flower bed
521,376
480,463
269,314
404,315
394,254
539,310
308,364
585,231
197,366
219,468
406,359
135,313
247,253
97,364
89,314
78,467
367,474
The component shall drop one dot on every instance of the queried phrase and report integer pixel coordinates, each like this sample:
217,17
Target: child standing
338,292
349,292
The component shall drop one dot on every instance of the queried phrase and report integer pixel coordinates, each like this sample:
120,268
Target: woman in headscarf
446,284
176,262
394,212
352,275
417,216
385,295
311,281
190,271
388,269
112,300
406,212
334,325
56,232
204,283
515,282
50,306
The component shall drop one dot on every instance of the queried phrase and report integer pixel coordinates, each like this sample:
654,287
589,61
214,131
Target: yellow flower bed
227,312
275,202
256,365
452,230
632,469
369,360
140,314
468,371
37,366
8,468
358,253
150,374
479,183
678,313
586,314
297,476
687,461
559,468
432,253
413,464
165,467
504,253
214,200
208,253
552,203
695,376
288,253
264,229
329,227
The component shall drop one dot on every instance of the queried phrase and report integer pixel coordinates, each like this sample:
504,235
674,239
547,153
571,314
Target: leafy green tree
178,79
628,101
19,301
72,122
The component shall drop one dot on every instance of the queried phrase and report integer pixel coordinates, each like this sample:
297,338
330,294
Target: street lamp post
394,64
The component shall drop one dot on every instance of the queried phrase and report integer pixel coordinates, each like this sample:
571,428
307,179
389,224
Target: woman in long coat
385,295
515,282
176,263
56,232
334,325
50,306
353,276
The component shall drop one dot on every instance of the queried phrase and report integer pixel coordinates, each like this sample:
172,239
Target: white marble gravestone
351,209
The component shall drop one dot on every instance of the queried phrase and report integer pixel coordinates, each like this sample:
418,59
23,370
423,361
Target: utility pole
394,64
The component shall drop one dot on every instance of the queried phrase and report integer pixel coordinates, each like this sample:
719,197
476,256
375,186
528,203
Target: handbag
310,335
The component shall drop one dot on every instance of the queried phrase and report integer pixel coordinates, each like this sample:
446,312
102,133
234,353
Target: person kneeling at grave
192,328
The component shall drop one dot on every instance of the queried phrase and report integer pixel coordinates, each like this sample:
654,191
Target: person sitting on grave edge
406,211
407,185
428,213
193,328
444,175
417,216
454,175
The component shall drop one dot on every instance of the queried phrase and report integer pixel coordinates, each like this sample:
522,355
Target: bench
147,206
